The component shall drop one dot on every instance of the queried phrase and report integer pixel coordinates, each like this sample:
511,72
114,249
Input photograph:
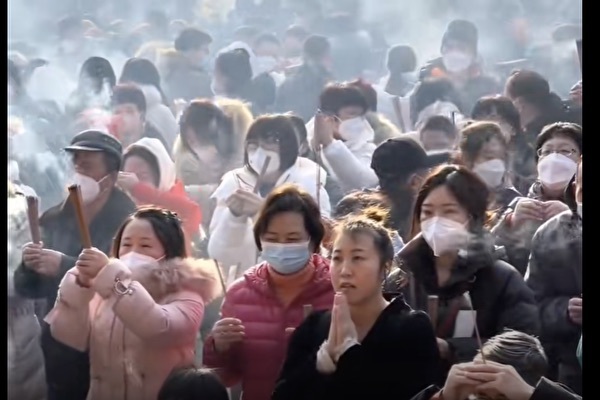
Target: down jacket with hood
256,361
26,378
170,193
497,291
231,239
159,115
135,340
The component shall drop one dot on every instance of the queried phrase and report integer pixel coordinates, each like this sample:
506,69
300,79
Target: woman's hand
528,210
342,331
499,380
226,332
244,203
90,262
323,131
553,208
444,348
459,386
127,180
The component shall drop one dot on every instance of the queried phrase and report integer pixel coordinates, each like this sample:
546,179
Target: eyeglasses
546,152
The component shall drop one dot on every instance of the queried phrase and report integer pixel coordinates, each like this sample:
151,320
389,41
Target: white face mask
257,159
443,235
135,260
90,189
355,129
442,108
457,61
491,172
556,171
580,209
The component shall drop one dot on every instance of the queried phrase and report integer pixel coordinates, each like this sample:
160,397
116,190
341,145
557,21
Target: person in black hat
459,61
97,158
401,165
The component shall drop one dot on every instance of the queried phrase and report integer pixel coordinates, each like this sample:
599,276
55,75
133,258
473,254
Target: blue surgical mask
286,258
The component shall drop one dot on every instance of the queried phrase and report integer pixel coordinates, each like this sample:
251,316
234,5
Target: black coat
555,276
67,370
498,293
398,358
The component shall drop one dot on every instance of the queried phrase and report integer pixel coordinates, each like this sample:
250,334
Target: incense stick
432,309
474,315
319,175
33,217
84,233
263,171
221,278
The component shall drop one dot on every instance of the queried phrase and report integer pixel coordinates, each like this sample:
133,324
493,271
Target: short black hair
435,89
192,39
440,123
368,92
567,129
266,38
401,59
501,106
126,93
297,31
528,85
336,96
290,198
192,384
521,351
316,47
210,124
280,128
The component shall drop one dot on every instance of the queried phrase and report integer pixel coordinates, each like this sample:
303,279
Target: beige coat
135,340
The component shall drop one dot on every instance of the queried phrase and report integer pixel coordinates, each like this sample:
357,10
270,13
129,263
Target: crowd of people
284,206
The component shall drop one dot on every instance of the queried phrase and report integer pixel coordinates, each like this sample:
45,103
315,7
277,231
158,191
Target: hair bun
376,214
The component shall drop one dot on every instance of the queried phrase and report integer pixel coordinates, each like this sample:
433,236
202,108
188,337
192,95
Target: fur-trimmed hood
170,276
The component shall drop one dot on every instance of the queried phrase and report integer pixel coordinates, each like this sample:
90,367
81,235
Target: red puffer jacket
257,361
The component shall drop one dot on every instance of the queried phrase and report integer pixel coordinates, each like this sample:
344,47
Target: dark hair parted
528,85
192,384
499,106
336,96
431,90
475,135
279,128
469,190
290,198
167,228
521,351
209,124
370,222
565,129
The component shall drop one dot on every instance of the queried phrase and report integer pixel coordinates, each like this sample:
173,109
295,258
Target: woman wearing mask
558,149
139,313
143,73
26,378
342,135
210,143
261,308
94,88
555,273
501,110
484,150
240,195
365,344
149,177
452,257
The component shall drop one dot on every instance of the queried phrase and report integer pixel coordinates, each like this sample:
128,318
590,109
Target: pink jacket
256,361
135,340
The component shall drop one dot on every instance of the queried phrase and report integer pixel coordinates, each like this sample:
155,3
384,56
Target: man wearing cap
97,158
460,63
401,165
